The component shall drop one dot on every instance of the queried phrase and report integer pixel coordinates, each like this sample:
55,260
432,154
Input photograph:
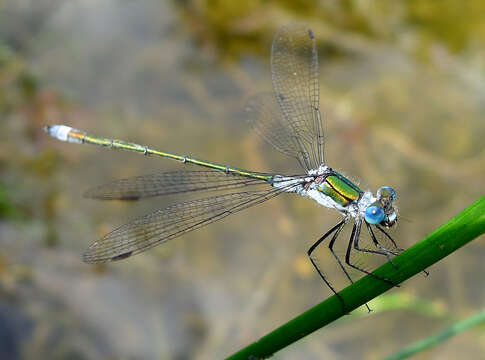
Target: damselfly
289,119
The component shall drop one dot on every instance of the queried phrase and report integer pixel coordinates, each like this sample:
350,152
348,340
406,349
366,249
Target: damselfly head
385,197
382,211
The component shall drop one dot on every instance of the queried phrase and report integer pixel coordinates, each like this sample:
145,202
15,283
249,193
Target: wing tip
98,193
90,258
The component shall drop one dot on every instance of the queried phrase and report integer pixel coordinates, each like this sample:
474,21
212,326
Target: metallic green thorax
340,189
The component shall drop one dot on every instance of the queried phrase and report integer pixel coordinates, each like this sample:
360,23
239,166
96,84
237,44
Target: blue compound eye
386,192
374,214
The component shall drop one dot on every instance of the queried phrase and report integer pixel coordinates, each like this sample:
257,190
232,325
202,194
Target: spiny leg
330,246
426,272
390,238
354,237
336,228
383,251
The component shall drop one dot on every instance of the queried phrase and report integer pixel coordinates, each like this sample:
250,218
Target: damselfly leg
382,250
426,272
337,228
354,243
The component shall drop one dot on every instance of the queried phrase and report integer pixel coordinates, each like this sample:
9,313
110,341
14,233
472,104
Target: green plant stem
431,341
452,235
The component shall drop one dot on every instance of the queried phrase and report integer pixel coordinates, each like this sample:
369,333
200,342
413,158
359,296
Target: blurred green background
403,98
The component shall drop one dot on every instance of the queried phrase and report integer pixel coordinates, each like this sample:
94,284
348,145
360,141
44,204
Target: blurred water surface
402,93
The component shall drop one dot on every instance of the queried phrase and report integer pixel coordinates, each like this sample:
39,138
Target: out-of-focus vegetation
402,88
422,345
419,25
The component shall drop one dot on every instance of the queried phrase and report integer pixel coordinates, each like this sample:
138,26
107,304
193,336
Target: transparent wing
162,225
172,182
268,121
294,70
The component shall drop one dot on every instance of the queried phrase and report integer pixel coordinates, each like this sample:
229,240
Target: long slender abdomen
71,135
